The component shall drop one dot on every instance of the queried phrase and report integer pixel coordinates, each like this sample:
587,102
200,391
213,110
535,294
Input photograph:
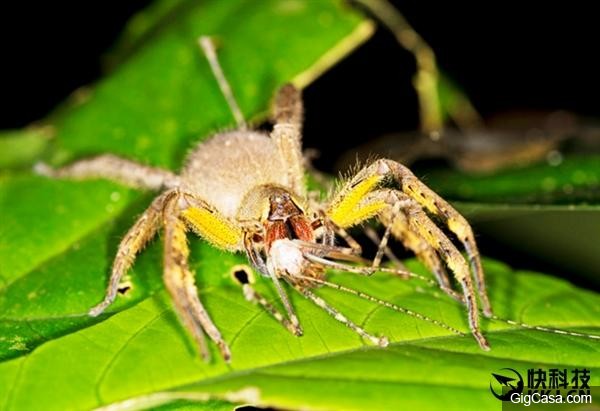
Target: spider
245,191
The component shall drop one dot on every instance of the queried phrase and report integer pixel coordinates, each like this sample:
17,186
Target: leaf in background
575,180
550,212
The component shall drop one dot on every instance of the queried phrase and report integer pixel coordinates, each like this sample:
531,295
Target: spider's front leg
371,177
399,228
136,238
362,198
180,281
255,297
456,223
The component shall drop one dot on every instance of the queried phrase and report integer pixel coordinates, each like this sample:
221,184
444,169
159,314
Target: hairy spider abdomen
224,168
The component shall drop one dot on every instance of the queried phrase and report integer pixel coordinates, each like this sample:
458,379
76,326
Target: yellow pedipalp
345,210
214,228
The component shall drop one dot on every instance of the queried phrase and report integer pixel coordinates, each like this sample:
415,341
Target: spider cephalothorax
244,191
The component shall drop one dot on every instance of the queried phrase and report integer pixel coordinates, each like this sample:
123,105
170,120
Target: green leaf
58,238
142,352
575,180
22,147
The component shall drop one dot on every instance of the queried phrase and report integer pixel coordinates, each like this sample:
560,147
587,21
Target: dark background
505,55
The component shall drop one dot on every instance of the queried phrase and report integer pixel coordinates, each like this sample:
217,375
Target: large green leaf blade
60,237
143,350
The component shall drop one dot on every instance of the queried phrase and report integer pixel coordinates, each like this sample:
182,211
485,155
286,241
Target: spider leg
419,222
223,233
378,301
396,224
417,244
273,273
113,168
380,341
455,222
352,243
287,114
286,302
369,270
255,297
208,48
136,238
330,251
208,223
180,282
374,237
395,210
226,234
254,255
361,198
344,209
